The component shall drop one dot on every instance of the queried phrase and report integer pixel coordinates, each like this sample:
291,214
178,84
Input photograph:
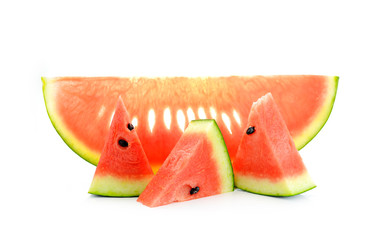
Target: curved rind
320,120
286,195
285,187
110,186
73,143
227,175
93,156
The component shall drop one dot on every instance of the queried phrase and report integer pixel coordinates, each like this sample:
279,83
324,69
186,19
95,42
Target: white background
43,184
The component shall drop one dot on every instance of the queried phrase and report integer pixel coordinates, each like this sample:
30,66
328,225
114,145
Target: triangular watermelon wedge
267,161
198,166
123,169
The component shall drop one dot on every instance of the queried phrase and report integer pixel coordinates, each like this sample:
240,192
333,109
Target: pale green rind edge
75,146
285,187
279,195
325,114
229,176
110,186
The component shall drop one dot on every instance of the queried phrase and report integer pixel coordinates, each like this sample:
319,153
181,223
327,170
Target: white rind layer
116,187
287,186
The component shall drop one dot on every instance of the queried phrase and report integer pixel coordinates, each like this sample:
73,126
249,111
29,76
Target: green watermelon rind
278,195
284,187
221,141
110,186
319,122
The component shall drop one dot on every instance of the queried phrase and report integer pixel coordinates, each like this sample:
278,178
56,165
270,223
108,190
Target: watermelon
198,166
267,161
81,108
123,169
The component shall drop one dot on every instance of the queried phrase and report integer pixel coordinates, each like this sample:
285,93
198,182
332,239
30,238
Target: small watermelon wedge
123,169
198,166
267,161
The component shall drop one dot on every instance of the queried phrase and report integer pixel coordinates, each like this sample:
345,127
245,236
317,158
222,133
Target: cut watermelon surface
81,108
267,161
198,166
123,169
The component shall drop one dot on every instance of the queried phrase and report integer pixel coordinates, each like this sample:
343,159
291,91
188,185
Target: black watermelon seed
123,143
250,130
194,190
130,126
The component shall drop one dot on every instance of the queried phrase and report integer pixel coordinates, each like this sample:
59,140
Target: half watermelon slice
198,166
267,161
123,169
81,108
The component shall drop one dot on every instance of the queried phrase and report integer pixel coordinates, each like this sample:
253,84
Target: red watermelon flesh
267,161
198,166
123,169
80,108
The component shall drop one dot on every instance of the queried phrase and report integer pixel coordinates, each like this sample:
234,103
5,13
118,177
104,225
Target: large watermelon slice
123,169
267,161
80,108
198,166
